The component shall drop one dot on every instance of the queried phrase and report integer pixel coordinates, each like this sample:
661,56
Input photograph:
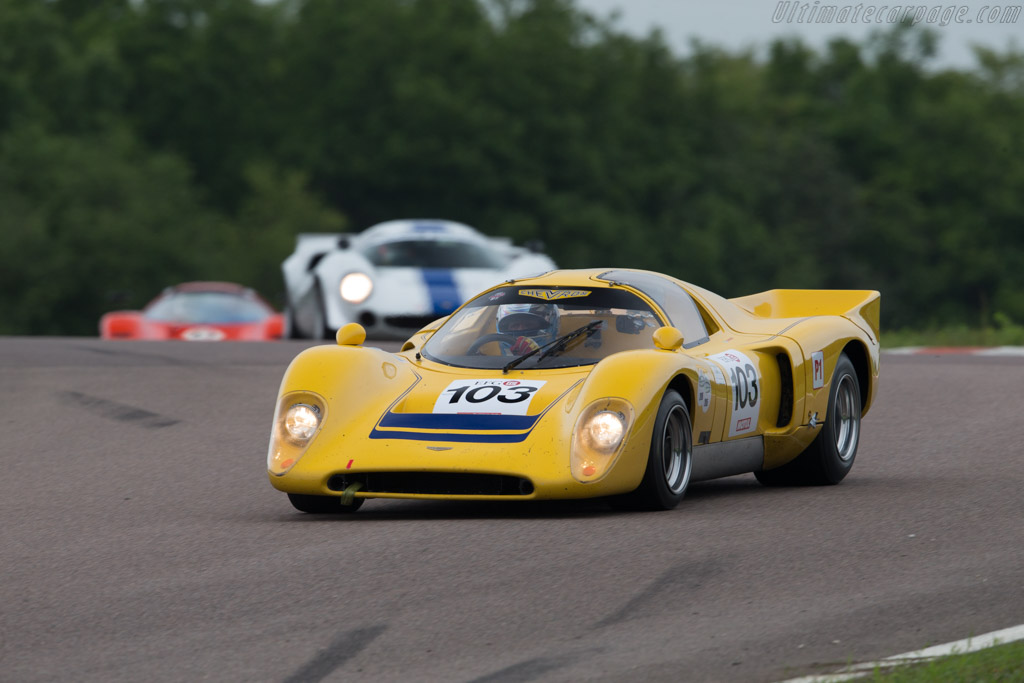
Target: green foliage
145,143
91,218
1000,664
276,205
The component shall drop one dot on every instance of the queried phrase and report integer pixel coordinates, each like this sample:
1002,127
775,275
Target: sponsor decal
705,437
554,294
202,334
745,386
488,396
818,369
496,296
703,390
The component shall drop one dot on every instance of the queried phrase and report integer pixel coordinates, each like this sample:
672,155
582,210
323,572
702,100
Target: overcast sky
736,24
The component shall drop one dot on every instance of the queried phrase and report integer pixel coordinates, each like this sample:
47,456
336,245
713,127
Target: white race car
395,277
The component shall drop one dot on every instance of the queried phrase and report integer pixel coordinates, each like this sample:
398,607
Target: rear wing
862,306
319,242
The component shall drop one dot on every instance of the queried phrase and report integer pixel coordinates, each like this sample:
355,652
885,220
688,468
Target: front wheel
290,331
830,456
318,325
323,505
669,461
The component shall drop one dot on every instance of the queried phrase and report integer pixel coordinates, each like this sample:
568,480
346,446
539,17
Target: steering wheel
474,348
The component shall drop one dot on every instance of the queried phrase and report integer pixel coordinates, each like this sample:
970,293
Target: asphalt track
141,541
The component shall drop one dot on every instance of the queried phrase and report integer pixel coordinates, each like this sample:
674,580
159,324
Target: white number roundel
745,385
488,396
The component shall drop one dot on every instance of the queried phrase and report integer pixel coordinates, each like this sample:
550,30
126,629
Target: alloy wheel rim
846,419
676,451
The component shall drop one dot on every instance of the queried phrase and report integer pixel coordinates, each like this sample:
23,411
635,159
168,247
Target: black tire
323,505
830,456
318,328
290,331
669,461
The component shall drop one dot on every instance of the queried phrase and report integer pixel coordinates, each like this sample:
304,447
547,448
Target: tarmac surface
142,541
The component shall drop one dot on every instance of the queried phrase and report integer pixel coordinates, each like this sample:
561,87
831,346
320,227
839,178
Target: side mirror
668,338
352,334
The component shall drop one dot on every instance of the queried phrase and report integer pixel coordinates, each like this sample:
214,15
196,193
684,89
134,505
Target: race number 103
503,397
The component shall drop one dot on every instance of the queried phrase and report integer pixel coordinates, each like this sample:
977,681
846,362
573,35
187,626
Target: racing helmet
536,321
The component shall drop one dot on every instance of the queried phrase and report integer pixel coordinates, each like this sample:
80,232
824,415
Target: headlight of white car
356,287
598,437
297,420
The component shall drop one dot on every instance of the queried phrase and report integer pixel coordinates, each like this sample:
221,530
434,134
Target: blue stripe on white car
444,295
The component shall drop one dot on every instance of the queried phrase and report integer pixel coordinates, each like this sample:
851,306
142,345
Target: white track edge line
959,647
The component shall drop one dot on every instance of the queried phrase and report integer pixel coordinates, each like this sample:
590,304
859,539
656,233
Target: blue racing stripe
444,296
467,421
456,438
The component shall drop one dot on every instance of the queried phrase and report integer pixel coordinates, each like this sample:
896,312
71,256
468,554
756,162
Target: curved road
141,541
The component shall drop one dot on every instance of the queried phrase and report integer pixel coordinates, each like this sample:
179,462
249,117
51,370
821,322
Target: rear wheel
323,505
669,462
830,456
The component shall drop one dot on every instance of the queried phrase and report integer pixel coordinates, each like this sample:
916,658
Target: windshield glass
433,253
502,325
206,307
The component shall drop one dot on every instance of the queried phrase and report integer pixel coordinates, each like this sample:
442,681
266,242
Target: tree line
148,142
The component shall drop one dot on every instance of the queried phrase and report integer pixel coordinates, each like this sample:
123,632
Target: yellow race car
613,383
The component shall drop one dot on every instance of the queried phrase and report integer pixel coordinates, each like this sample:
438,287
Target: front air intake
433,483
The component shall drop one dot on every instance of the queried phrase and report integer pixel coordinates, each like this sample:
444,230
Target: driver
532,325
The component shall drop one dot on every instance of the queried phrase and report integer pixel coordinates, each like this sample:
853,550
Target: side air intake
786,398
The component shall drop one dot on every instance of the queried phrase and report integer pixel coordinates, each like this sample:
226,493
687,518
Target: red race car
198,311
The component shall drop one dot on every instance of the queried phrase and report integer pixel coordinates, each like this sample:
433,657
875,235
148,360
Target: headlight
603,432
301,421
297,421
355,287
598,437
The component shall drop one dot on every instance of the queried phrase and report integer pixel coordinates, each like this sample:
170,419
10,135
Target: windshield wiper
556,345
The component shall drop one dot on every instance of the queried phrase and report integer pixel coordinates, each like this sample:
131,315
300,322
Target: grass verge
953,337
1004,333
999,664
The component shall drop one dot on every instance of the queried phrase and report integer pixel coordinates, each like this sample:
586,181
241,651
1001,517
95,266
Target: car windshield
207,308
508,323
433,253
